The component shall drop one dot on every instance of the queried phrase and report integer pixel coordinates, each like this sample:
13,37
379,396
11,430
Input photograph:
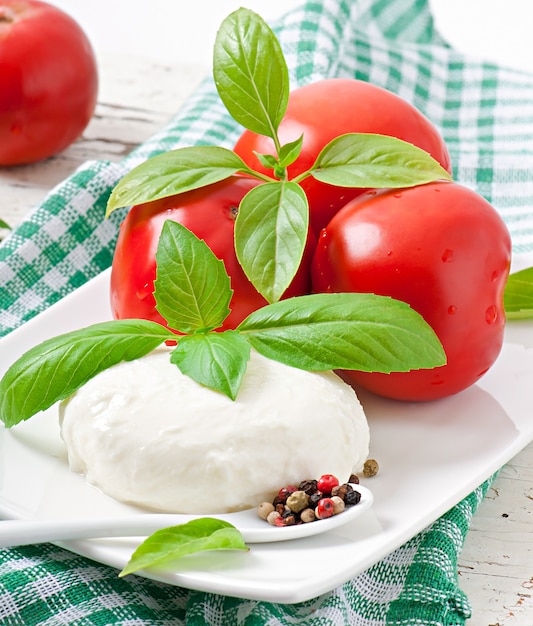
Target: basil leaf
215,360
4,224
344,331
270,236
250,72
267,160
192,287
290,152
518,295
56,368
170,173
369,160
172,543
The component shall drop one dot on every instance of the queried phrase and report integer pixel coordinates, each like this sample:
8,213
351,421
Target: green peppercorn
297,501
370,468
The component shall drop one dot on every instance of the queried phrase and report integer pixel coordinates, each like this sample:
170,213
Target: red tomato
48,81
326,109
210,214
441,248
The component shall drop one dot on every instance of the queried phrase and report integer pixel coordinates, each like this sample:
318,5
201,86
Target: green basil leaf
175,542
215,360
368,160
290,152
56,368
518,295
344,331
270,236
250,72
267,160
192,287
4,224
174,172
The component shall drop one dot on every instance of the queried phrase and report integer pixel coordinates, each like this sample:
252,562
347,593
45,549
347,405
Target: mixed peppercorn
309,501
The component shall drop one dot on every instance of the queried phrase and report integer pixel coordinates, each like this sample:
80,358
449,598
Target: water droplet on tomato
491,314
372,192
494,276
144,292
398,195
452,309
447,256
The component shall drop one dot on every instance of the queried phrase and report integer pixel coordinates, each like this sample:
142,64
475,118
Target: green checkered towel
486,116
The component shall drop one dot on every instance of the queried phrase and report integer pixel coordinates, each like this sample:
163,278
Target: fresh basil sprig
518,295
175,542
316,332
252,80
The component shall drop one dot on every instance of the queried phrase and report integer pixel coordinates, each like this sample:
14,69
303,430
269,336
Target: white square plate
431,455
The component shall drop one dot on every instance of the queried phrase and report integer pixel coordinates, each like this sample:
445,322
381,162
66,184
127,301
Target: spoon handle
24,532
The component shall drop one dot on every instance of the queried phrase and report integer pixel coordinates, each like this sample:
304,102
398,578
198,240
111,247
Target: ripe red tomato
326,109
210,214
441,248
48,81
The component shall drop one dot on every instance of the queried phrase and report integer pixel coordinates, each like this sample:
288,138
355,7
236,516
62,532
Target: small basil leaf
289,152
56,368
4,225
250,72
192,287
270,236
267,160
215,360
368,160
344,331
175,542
518,295
170,173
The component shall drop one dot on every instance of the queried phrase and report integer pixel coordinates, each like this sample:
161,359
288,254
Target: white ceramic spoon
253,529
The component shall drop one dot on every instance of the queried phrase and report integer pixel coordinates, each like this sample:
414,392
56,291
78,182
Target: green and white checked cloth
484,112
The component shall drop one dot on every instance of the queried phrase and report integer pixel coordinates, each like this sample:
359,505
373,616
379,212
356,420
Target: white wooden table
496,565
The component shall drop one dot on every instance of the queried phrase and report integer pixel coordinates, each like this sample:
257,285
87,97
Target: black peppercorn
341,490
289,518
309,486
315,498
352,497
